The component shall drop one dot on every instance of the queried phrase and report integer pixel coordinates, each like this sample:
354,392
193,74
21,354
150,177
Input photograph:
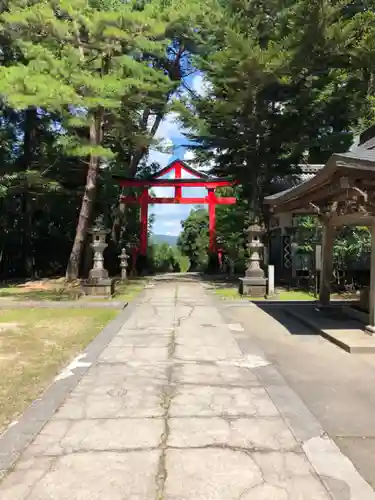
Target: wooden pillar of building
327,263
370,328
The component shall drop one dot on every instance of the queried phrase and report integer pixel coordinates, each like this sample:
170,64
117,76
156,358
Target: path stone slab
211,374
255,433
290,473
85,476
102,378
151,340
173,410
153,329
210,474
63,436
133,353
220,401
119,402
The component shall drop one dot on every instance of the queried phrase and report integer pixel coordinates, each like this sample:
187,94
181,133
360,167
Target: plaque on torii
176,169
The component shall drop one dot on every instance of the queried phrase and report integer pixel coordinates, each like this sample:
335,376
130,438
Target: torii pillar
144,222
211,220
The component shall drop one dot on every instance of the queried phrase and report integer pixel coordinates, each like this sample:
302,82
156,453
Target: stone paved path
172,410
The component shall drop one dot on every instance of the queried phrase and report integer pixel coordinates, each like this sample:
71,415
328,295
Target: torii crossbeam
177,168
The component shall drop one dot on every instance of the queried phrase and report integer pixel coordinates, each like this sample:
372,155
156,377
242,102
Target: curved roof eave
358,159
294,192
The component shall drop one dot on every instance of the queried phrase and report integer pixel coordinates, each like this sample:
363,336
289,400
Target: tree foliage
193,240
285,85
84,87
351,245
165,258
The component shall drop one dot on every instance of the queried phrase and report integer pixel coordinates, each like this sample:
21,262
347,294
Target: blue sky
168,217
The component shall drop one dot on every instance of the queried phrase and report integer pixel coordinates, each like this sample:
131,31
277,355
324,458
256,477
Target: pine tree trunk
26,163
88,201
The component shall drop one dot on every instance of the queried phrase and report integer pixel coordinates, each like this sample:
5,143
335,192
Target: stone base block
370,329
99,287
253,287
98,274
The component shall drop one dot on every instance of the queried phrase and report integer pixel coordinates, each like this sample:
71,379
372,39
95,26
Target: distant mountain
164,238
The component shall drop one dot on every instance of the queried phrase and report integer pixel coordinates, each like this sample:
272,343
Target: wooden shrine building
342,193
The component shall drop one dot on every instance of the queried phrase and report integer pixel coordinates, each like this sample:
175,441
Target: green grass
124,291
47,289
14,293
129,290
34,345
230,293
295,295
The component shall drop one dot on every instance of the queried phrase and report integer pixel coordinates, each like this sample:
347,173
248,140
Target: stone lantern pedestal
124,264
254,283
98,284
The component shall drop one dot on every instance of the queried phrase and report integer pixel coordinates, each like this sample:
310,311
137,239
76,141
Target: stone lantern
98,283
123,264
254,283
98,244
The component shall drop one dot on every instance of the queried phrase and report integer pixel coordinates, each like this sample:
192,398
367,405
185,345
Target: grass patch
34,345
47,289
295,295
36,295
58,290
129,290
229,293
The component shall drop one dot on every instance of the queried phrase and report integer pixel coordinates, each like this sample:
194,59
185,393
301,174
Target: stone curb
22,431
346,344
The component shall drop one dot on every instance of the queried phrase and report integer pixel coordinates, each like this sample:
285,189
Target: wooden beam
149,183
182,201
355,219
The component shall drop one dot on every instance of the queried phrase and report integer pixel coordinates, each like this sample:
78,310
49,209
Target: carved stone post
254,283
124,264
98,283
99,234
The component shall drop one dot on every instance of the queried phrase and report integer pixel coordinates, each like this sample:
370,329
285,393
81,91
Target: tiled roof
360,153
360,157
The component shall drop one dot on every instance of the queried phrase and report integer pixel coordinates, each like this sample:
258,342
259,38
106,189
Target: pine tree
268,103
82,61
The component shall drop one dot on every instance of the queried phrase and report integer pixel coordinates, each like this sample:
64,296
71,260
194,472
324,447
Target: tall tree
268,106
187,24
82,60
193,240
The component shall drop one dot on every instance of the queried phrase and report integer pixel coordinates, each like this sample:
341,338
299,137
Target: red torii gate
200,180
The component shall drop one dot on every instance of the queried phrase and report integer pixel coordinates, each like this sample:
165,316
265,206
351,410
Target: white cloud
189,155
168,217
158,157
169,127
163,192
200,85
170,223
